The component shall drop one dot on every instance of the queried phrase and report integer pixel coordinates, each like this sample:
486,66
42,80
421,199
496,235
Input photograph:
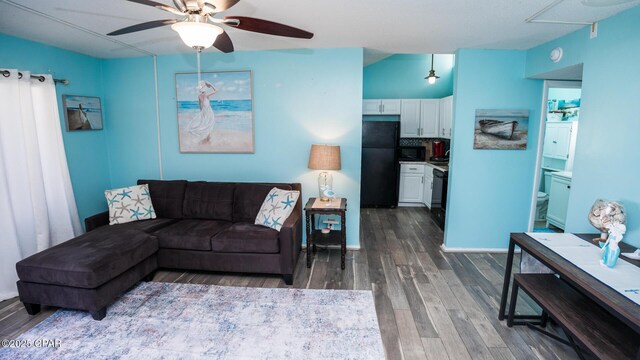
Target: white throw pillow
277,207
129,204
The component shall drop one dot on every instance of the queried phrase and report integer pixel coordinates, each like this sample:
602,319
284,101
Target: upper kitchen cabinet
410,118
429,118
419,118
446,117
381,107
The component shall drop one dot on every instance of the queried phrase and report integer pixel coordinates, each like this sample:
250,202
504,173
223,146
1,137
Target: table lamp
325,157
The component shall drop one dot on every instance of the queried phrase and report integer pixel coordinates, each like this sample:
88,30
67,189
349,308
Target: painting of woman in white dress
215,113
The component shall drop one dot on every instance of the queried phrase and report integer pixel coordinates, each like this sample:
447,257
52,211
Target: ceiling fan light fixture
198,35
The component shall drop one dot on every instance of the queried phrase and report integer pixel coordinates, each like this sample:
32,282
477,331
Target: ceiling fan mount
199,28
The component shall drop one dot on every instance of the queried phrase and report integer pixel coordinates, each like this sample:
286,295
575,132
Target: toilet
541,206
543,198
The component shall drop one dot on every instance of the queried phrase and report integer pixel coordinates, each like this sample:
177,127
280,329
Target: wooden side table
334,237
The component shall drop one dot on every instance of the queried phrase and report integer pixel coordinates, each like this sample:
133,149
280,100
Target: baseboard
349,247
475,250
416,205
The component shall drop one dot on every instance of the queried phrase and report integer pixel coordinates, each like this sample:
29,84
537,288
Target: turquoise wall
86,150
300,98
607,149
402,76
490,190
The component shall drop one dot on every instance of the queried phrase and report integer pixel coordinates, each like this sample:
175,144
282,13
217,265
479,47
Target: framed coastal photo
82,112
501,129
215,113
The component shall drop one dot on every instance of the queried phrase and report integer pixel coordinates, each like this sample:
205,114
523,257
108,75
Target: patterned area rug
184,321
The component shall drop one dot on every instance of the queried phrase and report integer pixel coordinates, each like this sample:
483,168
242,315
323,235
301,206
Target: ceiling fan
200,28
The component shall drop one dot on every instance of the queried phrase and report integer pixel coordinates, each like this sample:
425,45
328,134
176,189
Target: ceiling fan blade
222,5
266,27
143,26
180,5
223,43
158,5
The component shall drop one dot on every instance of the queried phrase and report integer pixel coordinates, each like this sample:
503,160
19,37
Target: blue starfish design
288,203
148,211
125,194
272,196
136,213
266,220
113,201
275,222
146,193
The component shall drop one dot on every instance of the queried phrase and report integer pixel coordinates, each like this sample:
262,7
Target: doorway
556,150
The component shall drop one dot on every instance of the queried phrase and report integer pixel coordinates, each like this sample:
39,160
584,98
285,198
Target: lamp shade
324,157
197,34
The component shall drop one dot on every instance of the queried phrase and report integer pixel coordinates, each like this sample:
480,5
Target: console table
613,302
332,238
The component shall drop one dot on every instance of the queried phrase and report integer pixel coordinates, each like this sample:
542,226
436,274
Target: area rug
184,321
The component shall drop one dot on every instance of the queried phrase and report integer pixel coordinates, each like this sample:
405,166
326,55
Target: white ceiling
407,26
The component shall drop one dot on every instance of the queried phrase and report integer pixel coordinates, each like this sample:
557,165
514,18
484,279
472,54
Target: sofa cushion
208,200
167,197
147,226
248,198
89,260
190,234
246,238
129,204
276,208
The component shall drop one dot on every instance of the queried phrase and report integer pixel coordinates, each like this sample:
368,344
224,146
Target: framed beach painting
82,112
501,129
215,113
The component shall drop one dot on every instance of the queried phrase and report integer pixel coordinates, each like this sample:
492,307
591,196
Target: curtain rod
6,73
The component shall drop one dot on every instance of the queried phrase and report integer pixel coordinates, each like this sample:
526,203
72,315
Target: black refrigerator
379,184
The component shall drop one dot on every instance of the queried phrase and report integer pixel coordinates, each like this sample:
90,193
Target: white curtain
37,206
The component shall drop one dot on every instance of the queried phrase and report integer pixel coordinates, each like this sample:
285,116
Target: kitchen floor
430,304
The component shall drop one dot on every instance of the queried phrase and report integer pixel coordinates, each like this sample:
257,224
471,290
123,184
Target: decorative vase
603,213
610,253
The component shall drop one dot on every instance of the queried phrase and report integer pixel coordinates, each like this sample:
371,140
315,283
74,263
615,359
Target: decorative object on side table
325,157
603,213
333,237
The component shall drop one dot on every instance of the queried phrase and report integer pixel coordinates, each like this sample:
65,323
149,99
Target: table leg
507,279
313,224
343,240
512,304
308,240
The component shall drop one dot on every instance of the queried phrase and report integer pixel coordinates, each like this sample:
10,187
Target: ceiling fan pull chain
198,57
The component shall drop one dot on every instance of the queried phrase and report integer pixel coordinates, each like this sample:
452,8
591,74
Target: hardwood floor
430,304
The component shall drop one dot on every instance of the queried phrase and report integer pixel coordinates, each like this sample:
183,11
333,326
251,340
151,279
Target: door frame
541,131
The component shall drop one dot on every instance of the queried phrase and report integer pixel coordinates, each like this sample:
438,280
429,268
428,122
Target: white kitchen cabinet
410,118
411,183
557,140
429,118
446,117
428,186
381,107
559,191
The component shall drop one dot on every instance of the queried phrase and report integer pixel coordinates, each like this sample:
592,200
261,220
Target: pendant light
432,74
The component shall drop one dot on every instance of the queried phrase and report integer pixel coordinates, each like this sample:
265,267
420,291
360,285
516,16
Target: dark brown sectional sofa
199,226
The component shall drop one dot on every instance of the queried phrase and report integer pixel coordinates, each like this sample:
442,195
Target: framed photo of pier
501,129
215,112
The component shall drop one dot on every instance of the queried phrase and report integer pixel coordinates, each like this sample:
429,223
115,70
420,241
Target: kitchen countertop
441,167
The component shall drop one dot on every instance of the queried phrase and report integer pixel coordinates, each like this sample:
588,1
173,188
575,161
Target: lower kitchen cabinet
428,186
411,183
